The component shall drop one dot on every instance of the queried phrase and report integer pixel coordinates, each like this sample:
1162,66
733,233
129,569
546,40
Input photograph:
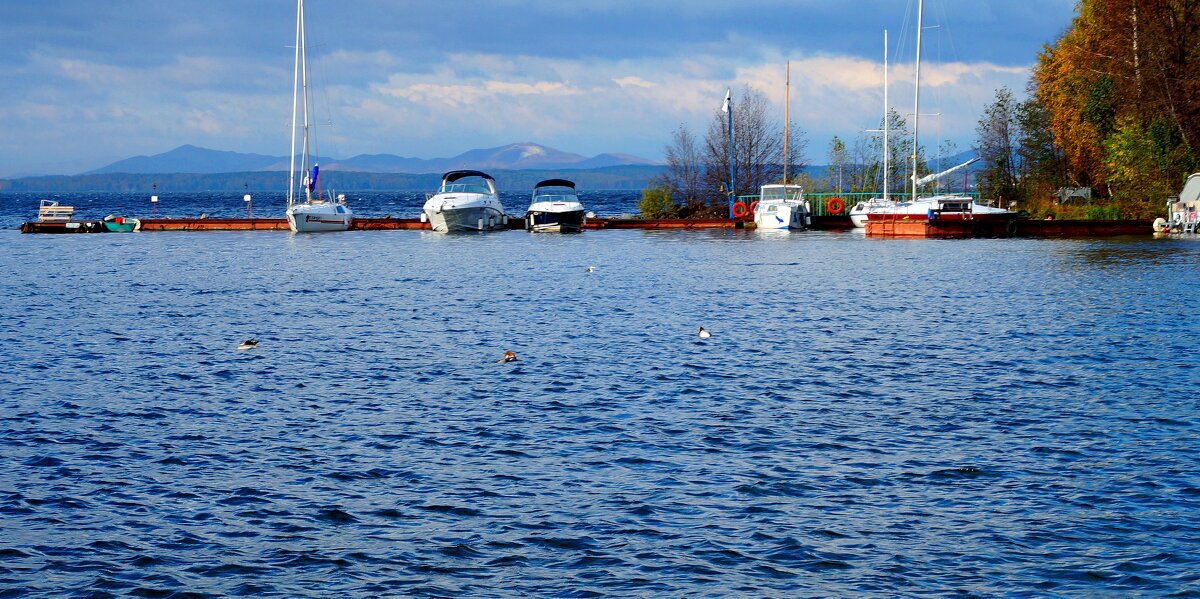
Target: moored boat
555,207
782,207
466,201
120,224
1183,211
940,206
313,214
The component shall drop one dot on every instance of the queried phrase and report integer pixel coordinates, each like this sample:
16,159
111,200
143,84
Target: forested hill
614,177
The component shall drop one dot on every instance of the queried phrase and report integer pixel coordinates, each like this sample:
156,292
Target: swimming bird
703,333
590,269
249,343
509,356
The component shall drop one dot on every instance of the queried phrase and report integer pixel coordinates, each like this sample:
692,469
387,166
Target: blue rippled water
870,417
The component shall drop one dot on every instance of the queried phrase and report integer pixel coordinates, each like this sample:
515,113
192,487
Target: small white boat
782,207
313,214
316,215
555,207
1183,210
859,211
466,201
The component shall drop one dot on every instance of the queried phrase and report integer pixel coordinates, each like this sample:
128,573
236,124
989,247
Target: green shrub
657,203
1103,212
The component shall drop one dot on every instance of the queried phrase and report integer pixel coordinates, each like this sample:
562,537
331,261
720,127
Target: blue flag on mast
312,182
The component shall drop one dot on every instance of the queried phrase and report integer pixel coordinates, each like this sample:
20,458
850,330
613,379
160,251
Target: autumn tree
1122,91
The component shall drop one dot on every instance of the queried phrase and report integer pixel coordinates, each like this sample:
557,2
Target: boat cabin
1184,210
475,182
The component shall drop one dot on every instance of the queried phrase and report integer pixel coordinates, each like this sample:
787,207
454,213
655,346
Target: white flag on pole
728,99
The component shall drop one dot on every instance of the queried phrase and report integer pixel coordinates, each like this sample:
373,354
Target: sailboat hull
319,218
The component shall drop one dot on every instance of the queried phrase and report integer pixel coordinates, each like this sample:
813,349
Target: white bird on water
704,334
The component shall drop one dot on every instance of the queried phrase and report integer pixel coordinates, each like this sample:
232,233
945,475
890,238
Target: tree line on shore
1112,107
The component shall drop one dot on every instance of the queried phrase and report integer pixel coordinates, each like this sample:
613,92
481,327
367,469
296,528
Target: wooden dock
367,224
919,229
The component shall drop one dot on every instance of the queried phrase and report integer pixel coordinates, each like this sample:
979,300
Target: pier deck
887,229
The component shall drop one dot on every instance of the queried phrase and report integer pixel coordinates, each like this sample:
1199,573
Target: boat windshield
775,192
555,197
464,188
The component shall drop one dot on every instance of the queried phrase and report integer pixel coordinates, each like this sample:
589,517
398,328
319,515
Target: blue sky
88,83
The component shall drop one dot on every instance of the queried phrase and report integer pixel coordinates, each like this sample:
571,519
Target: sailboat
313,213
858,212
783,206
939,206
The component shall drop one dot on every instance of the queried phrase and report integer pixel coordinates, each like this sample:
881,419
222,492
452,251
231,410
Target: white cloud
387,101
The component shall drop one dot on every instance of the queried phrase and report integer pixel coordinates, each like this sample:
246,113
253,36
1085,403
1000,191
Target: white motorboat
1183,210
782,207
555,207
466,201
312,214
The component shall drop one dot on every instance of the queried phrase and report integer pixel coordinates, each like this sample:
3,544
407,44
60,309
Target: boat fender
739,210
424,217
754,207
835,205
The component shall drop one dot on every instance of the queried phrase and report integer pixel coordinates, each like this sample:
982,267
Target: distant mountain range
517,167
518,156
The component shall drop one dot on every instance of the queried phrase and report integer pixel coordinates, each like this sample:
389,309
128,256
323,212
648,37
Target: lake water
870,418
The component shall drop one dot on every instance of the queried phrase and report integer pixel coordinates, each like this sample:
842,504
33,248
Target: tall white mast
295,90
917,100
304,80
886,117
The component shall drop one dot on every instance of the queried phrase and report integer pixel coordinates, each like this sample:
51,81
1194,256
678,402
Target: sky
90,82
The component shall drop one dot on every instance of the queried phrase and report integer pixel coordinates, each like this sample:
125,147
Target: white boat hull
464,212
781,216
945,207
557,217
319,217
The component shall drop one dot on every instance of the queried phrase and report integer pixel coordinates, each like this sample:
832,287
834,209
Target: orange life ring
835,205
739,210
754,207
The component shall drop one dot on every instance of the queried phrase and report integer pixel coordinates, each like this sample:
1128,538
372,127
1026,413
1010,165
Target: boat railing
50,212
